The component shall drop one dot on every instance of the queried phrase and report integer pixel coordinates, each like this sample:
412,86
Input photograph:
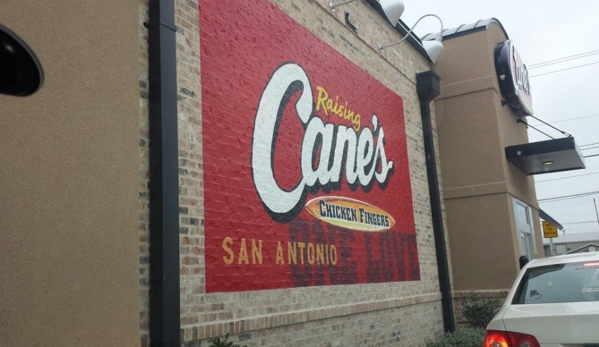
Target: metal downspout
428,87
165,322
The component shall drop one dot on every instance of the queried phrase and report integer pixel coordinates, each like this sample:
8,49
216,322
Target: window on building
524,229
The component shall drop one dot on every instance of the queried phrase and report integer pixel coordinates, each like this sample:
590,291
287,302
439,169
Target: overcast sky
545,30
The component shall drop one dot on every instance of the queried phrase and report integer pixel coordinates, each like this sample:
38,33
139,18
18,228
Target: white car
554,302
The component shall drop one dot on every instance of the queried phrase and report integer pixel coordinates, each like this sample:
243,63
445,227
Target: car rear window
574,282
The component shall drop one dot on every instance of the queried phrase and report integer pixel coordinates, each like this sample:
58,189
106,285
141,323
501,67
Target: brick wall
408,325
463,297
398,313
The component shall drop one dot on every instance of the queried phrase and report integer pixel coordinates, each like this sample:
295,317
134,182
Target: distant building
591,247
572,243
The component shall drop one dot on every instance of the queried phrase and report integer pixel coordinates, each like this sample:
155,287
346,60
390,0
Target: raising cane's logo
329,153
513,78
350,214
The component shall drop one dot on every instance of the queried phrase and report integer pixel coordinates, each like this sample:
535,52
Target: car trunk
575,324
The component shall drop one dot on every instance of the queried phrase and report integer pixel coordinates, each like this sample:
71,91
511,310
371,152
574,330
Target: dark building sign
513,78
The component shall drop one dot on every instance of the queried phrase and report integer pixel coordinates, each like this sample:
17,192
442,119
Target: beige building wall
68,176
479,183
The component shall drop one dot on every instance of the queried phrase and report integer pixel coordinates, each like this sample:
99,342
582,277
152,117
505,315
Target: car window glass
576,282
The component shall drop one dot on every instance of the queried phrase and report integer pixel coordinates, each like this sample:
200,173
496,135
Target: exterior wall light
433,48
21,73
393,8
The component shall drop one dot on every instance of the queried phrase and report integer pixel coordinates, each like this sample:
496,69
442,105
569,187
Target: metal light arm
333,5
438,38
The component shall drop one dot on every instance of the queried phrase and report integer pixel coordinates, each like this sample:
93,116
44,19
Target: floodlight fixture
21,73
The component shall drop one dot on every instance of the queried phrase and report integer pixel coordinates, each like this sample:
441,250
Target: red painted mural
306,178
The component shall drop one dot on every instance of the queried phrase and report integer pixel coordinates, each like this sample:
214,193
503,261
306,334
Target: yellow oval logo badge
350,214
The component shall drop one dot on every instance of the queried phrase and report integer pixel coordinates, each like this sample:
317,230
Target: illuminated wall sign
306,178
513,78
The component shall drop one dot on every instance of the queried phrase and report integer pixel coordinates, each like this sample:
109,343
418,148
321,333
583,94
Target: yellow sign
549,230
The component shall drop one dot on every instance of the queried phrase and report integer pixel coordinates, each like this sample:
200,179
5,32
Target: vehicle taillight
523,340
495,338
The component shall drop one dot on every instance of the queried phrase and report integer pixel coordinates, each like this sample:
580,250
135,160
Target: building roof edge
466,29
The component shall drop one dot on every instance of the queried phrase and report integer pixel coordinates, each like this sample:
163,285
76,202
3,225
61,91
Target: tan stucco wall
480,251
479,183
469,144
68,179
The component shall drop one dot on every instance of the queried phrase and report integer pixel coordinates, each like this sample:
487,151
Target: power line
563,178
593,221
565,197
589,144
570,68
561,60
571,119
587,148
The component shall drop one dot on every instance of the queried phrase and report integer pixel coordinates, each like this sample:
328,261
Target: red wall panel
306,178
